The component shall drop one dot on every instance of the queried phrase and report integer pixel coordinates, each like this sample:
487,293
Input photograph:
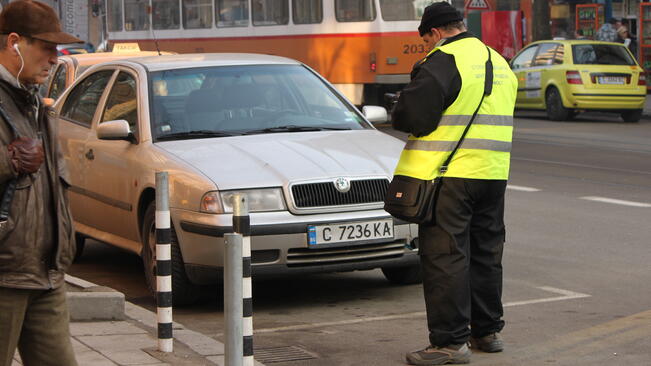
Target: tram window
232,13
270,12
136,16
355,10
114,15
307,11
395,10
165,14
197,14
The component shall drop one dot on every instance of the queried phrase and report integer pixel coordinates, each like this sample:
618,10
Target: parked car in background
565,77
75,48
68,68
314,169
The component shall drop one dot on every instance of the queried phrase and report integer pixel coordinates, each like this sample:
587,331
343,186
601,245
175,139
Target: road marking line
616,202
566,295
522,189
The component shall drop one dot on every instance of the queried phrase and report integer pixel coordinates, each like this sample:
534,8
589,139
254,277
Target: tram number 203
413,48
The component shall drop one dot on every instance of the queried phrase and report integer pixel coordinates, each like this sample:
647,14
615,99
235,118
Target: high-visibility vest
486,150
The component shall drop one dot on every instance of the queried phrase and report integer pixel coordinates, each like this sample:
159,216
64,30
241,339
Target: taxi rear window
601,54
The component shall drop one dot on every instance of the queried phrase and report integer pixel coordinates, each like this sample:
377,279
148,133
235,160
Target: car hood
276,159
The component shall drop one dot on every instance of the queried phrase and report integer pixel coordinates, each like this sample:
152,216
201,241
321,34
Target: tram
364,47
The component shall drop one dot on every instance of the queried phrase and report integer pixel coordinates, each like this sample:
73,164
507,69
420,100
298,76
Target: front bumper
279,244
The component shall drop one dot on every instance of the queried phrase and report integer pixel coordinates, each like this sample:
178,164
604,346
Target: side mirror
375,114
115,130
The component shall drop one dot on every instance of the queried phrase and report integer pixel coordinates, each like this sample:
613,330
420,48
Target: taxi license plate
611,80
350,232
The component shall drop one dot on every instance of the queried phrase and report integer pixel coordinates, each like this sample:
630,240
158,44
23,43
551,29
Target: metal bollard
233,352
163,264
242,227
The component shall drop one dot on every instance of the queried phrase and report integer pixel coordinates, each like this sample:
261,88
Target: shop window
355,10
165,14
307,11
232,13
270,12
197,14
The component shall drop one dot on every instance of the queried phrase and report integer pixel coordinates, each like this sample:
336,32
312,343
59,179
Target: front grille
305,257
325,194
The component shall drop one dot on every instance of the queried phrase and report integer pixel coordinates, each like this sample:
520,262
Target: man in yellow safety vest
461,252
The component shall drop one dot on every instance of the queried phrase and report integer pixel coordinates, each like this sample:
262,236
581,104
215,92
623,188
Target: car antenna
153,34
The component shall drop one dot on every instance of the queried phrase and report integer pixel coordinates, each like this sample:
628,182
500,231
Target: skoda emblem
342,184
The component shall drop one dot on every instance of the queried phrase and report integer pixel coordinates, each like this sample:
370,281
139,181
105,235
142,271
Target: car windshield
601,54
231,100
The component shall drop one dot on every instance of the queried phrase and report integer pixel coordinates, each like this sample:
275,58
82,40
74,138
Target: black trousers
461,261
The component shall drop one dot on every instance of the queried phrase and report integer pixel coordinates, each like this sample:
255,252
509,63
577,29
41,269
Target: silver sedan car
314,169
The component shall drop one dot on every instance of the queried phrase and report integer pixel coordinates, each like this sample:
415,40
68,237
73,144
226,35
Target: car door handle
90,155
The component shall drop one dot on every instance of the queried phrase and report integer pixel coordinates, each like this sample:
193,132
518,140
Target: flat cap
436,15
34,19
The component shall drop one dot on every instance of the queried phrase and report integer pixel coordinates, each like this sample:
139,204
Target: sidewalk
132,339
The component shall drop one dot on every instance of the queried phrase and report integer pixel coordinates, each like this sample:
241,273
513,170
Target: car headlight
260,200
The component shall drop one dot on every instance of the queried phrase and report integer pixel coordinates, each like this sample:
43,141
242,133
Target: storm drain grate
282,354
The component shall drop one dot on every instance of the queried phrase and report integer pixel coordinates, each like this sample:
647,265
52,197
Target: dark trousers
461,261
37,322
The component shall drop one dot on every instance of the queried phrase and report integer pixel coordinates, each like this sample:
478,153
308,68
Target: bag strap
488,90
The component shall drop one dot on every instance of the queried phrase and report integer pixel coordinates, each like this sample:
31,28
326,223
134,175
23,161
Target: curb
90,302
94,302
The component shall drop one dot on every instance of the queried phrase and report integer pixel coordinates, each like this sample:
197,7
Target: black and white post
163,264
242,225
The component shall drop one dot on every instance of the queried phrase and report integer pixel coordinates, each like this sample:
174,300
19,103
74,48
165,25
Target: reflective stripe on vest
485,151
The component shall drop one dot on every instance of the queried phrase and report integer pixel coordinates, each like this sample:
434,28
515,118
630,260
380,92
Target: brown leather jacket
34,255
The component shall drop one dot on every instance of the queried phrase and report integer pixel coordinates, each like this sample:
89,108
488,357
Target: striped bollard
242,225
163,264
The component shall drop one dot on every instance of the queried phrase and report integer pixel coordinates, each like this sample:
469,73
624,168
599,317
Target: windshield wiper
197,134
293,128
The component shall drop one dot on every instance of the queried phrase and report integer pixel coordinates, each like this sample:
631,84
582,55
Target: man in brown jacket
36,235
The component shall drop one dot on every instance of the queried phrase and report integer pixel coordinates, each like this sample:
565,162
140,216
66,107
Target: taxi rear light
641,79
573,77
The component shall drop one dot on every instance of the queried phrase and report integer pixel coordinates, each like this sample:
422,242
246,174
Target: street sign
477,5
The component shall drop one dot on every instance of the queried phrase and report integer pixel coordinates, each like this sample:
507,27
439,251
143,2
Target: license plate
350,232
611,80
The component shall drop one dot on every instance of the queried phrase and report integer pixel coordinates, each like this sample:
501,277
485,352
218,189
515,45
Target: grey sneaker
452,354
491,343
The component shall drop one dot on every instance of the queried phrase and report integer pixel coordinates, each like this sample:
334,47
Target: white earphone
22,64
16,47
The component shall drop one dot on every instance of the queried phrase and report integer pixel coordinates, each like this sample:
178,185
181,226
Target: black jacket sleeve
434,86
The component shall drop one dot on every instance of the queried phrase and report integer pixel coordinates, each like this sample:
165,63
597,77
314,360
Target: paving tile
123,349
104,328
199,343
88,356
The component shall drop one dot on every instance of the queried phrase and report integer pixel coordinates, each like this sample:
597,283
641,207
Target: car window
601,54
560,55
239,99
524,59
58,82
545,55
122,102
82,101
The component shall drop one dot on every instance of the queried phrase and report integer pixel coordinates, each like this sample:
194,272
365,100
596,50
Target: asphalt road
577,272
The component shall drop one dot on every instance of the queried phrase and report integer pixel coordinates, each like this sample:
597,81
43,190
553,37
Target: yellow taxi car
565,77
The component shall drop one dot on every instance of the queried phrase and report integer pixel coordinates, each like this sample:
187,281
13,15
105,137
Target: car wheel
403,275
184,292
554,104
80,242
632,116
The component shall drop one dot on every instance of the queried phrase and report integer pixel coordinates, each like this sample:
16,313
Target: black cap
436,15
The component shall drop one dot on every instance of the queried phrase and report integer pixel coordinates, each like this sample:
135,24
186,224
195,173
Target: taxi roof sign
126,47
